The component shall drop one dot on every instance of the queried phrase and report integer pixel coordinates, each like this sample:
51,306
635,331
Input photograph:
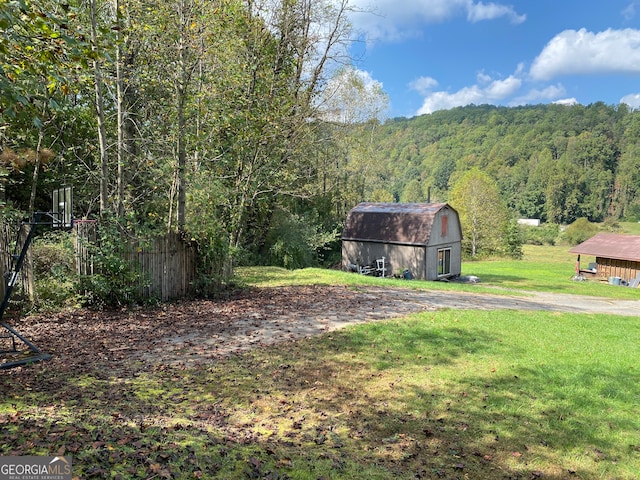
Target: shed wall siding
625,269
452,231
432,260
397,257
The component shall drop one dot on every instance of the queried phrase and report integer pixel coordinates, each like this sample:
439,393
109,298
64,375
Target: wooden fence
10,245
84,235
167,264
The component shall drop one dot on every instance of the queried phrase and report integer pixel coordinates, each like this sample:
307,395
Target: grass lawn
543,268
448,394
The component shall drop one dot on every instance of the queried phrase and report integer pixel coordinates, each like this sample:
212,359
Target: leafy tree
413,193
38,56
443,172
41,63
351,108
482,214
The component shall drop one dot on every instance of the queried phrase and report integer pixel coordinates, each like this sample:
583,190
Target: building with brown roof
422,238
617,256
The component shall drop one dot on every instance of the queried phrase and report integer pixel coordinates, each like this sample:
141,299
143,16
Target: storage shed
422,238
617,256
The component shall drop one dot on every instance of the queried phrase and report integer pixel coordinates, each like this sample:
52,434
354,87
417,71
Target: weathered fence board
167,265
84,234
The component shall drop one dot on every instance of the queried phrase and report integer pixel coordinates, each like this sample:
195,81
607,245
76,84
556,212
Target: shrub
297,241
54,271
116,282
545,234
579,231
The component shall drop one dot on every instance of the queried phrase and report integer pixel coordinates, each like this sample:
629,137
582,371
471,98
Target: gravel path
201,331
299,312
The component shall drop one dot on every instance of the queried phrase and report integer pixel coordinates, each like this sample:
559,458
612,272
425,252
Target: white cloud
495,91
424,85
629,11
393,20
566,101
534,96
500,89
479,11
633,100
581,52
483,78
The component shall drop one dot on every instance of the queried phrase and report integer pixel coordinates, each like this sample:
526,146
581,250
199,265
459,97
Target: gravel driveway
200,331
278,315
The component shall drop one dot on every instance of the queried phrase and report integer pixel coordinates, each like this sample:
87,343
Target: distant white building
532,222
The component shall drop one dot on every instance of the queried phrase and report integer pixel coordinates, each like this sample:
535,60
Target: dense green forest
242,124
552,162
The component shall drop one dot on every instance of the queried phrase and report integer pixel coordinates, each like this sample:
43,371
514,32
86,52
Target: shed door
444,261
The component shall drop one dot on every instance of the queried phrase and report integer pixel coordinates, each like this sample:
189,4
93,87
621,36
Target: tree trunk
181,166
121,124
36,172
102,137
181,93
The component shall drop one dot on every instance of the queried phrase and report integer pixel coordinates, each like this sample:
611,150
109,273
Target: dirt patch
200,331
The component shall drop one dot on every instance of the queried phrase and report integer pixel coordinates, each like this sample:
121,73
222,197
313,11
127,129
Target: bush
296,241
579,231
54,271
116,282
214,265
545,234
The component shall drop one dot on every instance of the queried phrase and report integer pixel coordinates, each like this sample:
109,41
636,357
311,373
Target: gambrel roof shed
423,238
402,223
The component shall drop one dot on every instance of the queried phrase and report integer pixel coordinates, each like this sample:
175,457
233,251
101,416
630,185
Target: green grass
543,268
632,228
448,394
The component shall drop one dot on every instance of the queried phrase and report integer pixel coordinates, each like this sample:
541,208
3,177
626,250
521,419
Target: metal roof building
616,255
423,238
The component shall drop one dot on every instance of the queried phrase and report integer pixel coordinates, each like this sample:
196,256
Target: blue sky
431,55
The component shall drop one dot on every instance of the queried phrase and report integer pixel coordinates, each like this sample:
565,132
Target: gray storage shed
423,238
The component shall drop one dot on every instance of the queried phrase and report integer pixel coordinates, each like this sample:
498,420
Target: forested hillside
552,162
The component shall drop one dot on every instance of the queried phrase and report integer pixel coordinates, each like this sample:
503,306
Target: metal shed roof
611,245
406,223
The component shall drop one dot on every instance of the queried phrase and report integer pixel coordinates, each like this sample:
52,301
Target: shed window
445,225
444,261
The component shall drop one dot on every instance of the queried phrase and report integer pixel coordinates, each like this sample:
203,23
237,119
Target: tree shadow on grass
557,412
392,399
526,424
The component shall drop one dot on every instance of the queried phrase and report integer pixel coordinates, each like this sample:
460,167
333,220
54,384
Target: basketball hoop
62,207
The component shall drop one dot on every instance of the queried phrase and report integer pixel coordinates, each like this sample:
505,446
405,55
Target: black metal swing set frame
9,334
